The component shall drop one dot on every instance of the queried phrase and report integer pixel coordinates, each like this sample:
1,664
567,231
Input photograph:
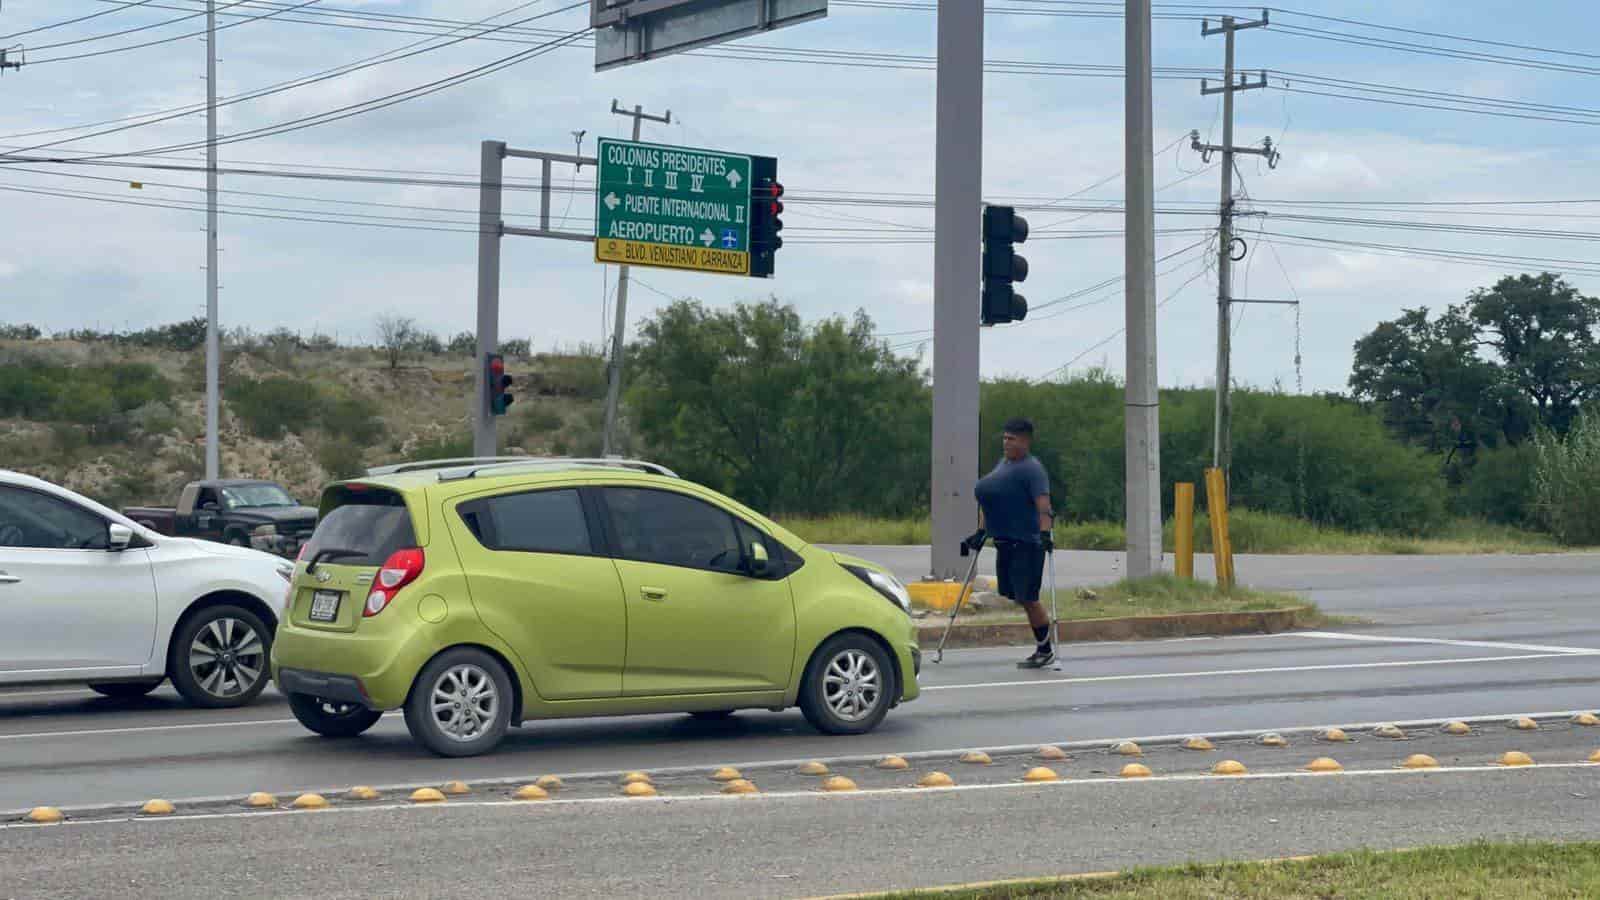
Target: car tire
332,718
460,705
219,657
124,690
712,715
849,685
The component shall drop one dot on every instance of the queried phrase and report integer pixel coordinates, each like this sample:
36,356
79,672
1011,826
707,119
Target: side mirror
758,564
118,537
209,506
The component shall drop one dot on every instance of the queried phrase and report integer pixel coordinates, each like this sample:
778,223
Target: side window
35,520
206,495
532,522
672,529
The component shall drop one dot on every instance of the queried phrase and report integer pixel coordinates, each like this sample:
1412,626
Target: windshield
249,495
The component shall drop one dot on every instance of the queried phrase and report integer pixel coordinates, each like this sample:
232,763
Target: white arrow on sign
611,201
707,238
734,178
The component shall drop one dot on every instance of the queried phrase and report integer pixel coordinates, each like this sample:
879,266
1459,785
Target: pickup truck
257,514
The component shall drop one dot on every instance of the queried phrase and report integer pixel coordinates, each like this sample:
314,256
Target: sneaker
1039,659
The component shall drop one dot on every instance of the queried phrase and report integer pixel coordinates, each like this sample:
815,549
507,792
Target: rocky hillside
125,423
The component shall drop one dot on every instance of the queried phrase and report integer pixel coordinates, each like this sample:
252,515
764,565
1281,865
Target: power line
1119,332
181,37
63,24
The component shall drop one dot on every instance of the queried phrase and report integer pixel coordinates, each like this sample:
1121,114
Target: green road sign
672,207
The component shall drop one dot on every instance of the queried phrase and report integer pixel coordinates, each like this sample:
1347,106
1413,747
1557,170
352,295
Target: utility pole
213,337
7,63
957,275
1222,450
608,438
1142,399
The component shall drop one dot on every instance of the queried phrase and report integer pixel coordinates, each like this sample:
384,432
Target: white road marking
138,729
819,795
1447,642
1270,670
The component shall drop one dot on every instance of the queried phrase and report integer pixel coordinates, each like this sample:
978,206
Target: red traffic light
497,366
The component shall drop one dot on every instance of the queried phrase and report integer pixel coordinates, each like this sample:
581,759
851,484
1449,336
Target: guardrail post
1217,509
1183,527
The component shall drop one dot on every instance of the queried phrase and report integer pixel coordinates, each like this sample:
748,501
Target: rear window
369,526
534,522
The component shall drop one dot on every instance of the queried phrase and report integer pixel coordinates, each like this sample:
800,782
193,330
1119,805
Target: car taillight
399,570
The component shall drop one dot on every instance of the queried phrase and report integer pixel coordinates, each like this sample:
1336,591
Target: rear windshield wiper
331,553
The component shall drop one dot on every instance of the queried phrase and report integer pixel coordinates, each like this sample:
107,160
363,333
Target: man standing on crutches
1014,510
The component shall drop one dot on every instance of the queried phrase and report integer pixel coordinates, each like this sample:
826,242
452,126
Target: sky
857,127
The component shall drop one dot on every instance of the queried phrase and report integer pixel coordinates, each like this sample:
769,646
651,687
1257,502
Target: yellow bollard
1217,508
1183,527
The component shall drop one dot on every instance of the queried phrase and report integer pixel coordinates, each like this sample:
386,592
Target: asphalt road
1447,637
1560,590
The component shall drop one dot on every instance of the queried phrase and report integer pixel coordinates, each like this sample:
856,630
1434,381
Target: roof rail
396,468
501,467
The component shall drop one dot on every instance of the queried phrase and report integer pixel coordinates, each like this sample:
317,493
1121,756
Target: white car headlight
887,585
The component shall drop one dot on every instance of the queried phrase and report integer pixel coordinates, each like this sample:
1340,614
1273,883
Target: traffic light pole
213,334
608,437
1142,413
957,220
490,228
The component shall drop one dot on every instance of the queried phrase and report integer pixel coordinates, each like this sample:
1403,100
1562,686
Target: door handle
653,593
9,579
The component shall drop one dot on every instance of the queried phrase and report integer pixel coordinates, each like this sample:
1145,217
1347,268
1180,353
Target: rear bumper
343,688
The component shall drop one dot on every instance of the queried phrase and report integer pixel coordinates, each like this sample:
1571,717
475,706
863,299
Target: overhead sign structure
631,31
672,207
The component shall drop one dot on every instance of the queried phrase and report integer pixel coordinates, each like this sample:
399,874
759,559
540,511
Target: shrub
1567,481
340,458
272,406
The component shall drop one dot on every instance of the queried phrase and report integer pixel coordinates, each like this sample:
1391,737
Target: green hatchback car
479,596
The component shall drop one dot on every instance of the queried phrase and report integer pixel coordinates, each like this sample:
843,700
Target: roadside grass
1484,871
1252,532
1157,595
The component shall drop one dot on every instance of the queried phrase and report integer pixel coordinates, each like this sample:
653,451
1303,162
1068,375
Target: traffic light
494,375
1002,267
766,209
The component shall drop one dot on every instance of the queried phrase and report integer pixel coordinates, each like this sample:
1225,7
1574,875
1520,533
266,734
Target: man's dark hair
1019,426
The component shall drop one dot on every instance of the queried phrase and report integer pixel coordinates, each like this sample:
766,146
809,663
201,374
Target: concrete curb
1000,634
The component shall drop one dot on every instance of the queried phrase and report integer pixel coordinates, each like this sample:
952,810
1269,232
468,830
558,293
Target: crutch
1055,620
966,587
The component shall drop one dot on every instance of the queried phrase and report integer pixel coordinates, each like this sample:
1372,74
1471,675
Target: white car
89,596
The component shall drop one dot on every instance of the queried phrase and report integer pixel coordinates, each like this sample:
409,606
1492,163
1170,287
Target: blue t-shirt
1008,497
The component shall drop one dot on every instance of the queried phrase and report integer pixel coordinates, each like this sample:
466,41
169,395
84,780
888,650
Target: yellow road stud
531,792
1324,764
1126,748
427,795
260,800
1586,719
1272,739
1595,757
1050,751
1515,758
455,788
1420,761
1333,735
157,808
976,758
1229,767
1198,743
1523,723
635,778
725,774
1456,728
838,783
812,768
549,782
1135,770
893,762
1040,773
1389,730
935,780
639,789
362,792
740,786
310,801
45,815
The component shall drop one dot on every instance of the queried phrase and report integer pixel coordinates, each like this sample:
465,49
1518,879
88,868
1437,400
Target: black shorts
1020,568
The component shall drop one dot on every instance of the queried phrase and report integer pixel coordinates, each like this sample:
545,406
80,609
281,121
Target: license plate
325,606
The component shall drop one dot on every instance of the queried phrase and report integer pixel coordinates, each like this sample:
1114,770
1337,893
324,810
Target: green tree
1567,481
1543,330
785,417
